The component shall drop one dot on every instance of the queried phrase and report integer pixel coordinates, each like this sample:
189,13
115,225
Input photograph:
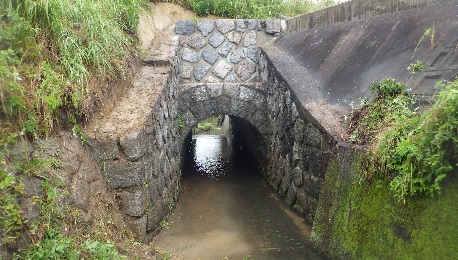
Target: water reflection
213,155
236,217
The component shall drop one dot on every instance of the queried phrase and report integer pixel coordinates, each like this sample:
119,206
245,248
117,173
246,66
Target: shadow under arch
248,142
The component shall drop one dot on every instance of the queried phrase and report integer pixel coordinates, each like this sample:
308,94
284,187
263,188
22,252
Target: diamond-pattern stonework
216,39
225,25
205,26
210,55
222,68
196,42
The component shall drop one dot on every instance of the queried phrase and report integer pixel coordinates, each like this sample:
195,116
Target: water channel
227,210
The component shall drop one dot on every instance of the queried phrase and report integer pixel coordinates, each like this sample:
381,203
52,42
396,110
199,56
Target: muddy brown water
227,210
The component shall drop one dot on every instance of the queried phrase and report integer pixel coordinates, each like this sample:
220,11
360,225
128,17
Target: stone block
121,174
190,55
240,25
184,27
133,144
246,70
134,202
210,55
290,197
232,90
250,39
232,78
213,79
312,185
156,214
199,94
196,42
273,26
225,25
246,94
201,71
222,68
104,149
216,39
186,70
215,90
234,37
254,24
205,26
253,54
137,226
312,136
237,55
225,49
297,176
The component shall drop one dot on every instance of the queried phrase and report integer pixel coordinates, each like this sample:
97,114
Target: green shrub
422,150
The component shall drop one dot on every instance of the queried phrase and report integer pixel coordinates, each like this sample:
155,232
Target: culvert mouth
227,209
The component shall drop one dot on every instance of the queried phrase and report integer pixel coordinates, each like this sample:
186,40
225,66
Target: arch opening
219,145
226,207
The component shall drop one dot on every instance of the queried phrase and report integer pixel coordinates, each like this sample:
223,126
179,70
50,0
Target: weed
422,150
98,250
416,67
52,49
422,38
164,224
11,215
390,103
180,123
77,131
418,150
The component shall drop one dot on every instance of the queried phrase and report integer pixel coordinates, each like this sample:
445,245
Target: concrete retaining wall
352,10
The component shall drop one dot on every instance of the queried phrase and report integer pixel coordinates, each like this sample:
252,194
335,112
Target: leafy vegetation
252,9
422,150
391,102
416,151
51,54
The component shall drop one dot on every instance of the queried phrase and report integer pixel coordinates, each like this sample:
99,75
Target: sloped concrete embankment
328,68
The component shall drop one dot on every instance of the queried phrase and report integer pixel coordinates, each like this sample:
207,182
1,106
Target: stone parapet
215,51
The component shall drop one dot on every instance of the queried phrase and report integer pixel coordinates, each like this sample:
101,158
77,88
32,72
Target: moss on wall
360,220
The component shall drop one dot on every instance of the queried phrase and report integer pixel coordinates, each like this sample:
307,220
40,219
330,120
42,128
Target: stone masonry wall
225,50
138,145
290,151
298,151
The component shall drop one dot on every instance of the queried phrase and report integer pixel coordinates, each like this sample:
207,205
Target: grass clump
52,49
415,151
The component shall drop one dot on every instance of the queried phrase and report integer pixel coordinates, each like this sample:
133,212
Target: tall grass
252,8
53,47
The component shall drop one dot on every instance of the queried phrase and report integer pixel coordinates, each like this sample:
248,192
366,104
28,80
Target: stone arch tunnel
218,67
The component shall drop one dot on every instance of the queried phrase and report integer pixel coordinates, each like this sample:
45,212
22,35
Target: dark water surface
227,211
